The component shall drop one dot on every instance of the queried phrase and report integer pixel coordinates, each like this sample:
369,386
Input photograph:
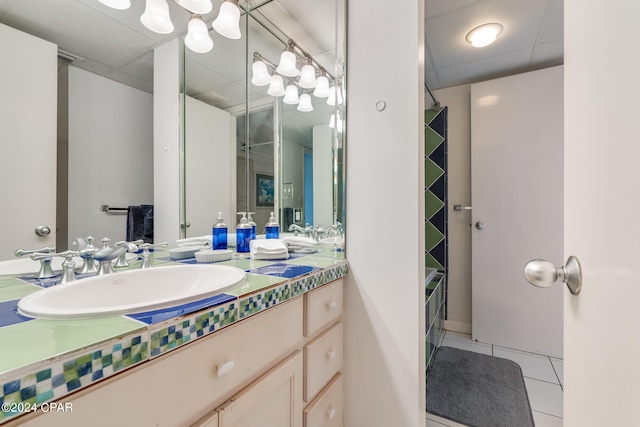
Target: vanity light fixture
291,96
197,38
227,23
336,122
117,4
305,103
307,76
484,35
322,85
276,86
335,95
156,17
260,75
287,65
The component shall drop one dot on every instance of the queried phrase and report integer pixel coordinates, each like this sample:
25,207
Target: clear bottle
243,234
219,233
273,228
254,227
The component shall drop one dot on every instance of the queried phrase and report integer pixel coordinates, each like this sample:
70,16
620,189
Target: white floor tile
532,365
558,366
544,420
458,336
436,421
467,345
544,397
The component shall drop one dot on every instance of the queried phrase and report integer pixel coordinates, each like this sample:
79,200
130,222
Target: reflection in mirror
285,158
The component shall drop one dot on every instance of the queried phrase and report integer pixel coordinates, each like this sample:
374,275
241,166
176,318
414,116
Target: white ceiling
532,39
114,43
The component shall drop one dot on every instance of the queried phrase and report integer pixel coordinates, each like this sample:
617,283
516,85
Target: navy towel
140,223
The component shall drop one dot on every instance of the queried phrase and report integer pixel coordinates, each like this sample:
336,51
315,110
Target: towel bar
107,208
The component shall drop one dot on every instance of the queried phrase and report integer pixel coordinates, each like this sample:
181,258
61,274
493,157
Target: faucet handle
22,252
131,247
105,242
146,255
68,265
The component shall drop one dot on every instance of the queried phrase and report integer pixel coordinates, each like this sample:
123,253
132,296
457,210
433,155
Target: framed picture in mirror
264,190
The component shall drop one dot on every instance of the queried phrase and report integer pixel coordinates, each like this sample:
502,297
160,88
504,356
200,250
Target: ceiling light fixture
261,76
291,96
484,35
307,76
322,85
305,103
117,4
227,23
287,64
197,38
200,7
276,86
156,17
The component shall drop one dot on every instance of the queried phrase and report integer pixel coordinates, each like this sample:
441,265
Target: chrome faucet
296,229
335,229
68,265
45,262
131,247
86,249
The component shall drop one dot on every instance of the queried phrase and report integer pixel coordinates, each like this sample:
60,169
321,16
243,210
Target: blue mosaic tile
158,316
9,313
283,270
67,375
186,330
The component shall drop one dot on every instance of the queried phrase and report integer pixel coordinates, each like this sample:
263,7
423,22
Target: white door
602,213
516,185
28,106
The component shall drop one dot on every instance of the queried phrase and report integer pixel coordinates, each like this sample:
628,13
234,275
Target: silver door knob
480,225
543,273
42,230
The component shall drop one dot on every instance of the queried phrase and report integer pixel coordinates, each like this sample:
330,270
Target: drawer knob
224,368
332,305
331,413
332,354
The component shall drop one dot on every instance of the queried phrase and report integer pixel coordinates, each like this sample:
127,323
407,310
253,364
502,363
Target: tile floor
542,377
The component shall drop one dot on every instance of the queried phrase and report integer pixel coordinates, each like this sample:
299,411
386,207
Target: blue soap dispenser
254,227
243,234
219,233
273,228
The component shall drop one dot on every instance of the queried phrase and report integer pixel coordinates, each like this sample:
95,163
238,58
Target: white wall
458,99
110,153
323,175
384,363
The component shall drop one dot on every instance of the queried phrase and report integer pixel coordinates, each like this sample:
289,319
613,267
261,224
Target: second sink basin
131,291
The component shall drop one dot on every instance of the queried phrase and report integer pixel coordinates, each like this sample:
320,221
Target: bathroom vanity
268,353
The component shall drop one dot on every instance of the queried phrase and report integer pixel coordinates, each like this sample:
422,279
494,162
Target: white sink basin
28,267
131,291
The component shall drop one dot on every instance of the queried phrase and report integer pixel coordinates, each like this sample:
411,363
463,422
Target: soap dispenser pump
219,233
254,227
243,234
273,228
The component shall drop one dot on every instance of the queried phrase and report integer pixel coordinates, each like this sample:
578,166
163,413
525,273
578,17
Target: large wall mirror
281,155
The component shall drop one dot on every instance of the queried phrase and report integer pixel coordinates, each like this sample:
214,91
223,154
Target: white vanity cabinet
258,372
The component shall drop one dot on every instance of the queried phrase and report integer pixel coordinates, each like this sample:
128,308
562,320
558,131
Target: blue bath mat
477,390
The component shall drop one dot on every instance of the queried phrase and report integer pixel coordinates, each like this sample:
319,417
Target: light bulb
305,103
484,35
156,17
276,86
336,122
117,4
227,23
291,96
322,87
261,75
199,7
197,38
287,65
335,95
307,77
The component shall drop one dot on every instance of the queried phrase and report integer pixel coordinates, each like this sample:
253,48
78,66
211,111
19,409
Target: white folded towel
300,245
267,249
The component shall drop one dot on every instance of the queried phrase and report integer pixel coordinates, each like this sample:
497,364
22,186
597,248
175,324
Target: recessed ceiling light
484,35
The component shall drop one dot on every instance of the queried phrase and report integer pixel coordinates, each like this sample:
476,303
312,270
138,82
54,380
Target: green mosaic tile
432,236
316,261
431,262
254,283
7,281
431,141
17,291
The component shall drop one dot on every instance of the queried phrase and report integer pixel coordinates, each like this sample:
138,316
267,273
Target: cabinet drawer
322,360
326,410
322,306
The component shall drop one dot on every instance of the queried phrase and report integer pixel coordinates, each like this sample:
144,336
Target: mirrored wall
248,147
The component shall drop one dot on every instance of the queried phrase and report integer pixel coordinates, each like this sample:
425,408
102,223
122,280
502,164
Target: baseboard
455,326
